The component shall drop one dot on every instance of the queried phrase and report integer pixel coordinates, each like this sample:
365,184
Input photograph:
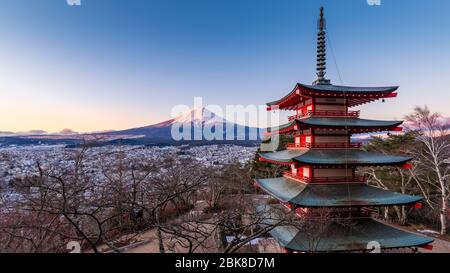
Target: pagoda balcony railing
334,113
291,118
333,179
327,113
328,145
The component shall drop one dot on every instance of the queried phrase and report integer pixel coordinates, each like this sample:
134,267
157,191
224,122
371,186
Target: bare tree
433,157
31,232
67,196
240,220
173,191
314,225
127,182
191,232
402,184
242,223
396,179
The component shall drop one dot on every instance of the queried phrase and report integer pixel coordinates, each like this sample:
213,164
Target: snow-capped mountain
198,124
199,116
195,116
194,122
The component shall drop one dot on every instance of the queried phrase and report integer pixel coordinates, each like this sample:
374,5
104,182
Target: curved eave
356,95
353,235
333,157
337,89
287,101
284,157
355,124
332,195
349,157
282,129
348,123
357,238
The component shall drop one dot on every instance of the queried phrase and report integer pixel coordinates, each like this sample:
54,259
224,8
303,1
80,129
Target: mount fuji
195,122
191,127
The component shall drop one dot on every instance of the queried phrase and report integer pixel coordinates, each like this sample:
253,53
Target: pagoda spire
321,51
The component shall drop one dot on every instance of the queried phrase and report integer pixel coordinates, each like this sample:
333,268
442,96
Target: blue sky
115,64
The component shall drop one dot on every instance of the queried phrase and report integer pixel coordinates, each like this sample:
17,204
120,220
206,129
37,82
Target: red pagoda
324,165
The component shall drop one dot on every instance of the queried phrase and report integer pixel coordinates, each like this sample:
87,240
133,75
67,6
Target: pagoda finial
321,51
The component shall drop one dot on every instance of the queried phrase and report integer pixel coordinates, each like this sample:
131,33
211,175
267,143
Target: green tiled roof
334,157
340,122
332,195
348,89
347,235
285,156
347,122
281,127
329,88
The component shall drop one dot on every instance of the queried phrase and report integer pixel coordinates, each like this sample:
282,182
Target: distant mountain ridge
191,124
198,121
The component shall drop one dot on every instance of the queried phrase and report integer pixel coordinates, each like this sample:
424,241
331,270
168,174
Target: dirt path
148,243
439,245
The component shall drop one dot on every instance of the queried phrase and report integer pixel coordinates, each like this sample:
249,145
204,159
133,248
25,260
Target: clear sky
116,64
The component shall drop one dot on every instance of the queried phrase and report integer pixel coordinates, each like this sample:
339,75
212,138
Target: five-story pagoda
323,165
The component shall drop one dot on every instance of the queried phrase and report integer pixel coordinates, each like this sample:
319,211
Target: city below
18,162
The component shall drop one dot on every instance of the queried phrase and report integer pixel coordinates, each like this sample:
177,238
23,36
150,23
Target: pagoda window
307,172
308,139
304,139
293,170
